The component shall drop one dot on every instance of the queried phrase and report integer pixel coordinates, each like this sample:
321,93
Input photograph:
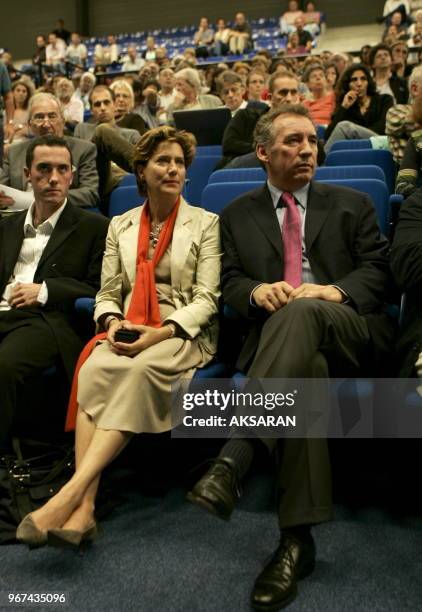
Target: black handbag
28,478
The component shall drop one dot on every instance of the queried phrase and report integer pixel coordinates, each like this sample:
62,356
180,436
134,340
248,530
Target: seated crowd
312,296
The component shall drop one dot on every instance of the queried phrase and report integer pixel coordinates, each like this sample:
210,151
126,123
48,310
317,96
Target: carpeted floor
162,554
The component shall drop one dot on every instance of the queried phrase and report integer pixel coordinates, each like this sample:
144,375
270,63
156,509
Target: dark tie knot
286,200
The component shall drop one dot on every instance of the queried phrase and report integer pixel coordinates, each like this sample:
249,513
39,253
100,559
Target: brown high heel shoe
71,538
28,533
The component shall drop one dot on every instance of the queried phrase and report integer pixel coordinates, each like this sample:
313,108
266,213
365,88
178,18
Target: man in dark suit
311,292
50,255
406,263
46,117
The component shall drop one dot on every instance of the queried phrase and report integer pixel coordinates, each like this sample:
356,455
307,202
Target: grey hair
415,76
264,135
191,76
38,97
91,76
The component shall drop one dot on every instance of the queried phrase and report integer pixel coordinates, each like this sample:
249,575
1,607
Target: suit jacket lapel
65,226
262,209
181,243
319,205
10,249
129,245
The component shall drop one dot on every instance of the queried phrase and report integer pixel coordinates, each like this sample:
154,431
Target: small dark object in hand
126,335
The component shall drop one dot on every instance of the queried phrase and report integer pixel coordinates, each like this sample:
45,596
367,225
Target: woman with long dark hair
360,111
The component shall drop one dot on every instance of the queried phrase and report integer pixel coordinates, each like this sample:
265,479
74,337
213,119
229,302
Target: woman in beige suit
160,279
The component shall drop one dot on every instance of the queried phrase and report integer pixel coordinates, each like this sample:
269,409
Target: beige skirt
134,393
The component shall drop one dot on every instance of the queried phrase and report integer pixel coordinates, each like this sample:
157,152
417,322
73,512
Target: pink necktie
292,241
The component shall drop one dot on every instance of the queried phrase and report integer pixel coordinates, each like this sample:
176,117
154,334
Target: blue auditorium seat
348,172
205,150
378,193
346,145
128,180
358,157
198,174
231,175
123,199
216,196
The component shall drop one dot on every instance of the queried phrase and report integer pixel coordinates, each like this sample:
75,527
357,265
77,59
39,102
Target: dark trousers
27,347
307,339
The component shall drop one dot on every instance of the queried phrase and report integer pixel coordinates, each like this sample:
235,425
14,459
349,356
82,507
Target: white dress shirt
34,242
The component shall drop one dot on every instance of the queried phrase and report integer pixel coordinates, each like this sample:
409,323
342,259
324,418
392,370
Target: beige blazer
195,271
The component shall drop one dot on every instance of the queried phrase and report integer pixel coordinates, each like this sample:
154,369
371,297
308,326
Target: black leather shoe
218,490
276,585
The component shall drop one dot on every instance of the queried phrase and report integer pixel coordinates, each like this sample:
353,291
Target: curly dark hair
343,85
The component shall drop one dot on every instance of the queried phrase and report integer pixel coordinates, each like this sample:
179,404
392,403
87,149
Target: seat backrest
378,193
216,196
123,199
348,172
128,180
198,174
209,150
359,157
346,145
230,175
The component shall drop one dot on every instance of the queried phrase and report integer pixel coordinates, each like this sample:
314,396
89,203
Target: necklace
155,232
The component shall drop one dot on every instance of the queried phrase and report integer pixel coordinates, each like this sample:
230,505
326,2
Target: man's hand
24,294
5,201
273,296
319,292
148,337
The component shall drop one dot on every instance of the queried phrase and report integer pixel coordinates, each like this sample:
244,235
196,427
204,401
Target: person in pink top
321,101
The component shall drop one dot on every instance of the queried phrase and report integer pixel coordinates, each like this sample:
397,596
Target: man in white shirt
76,52
132,61
55,53
50,255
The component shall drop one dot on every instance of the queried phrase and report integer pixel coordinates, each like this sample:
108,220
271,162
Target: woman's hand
148,337
115,324
349,99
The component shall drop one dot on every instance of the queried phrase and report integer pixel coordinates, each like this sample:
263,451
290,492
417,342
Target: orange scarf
143,307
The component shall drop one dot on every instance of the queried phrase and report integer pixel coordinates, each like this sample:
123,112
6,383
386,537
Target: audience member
386,81
232,91
412,28
34,70
7,60
240,40
332,76
150,52
73,109
406,264
360,110
6,103
188,94
169,297
124,103
396,21
320,102
255,85
238,149
55,53
46,118
400,123
409,176
312,19
106,55
305,39
324,317
393,6
61,31
23,91
364,54
221,38
132,62
86,85
203,38
76,52
342,61
242,69
147,101
287,20
167,82
400,53
51,255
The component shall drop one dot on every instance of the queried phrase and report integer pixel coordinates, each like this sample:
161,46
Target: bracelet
172,328
109,319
